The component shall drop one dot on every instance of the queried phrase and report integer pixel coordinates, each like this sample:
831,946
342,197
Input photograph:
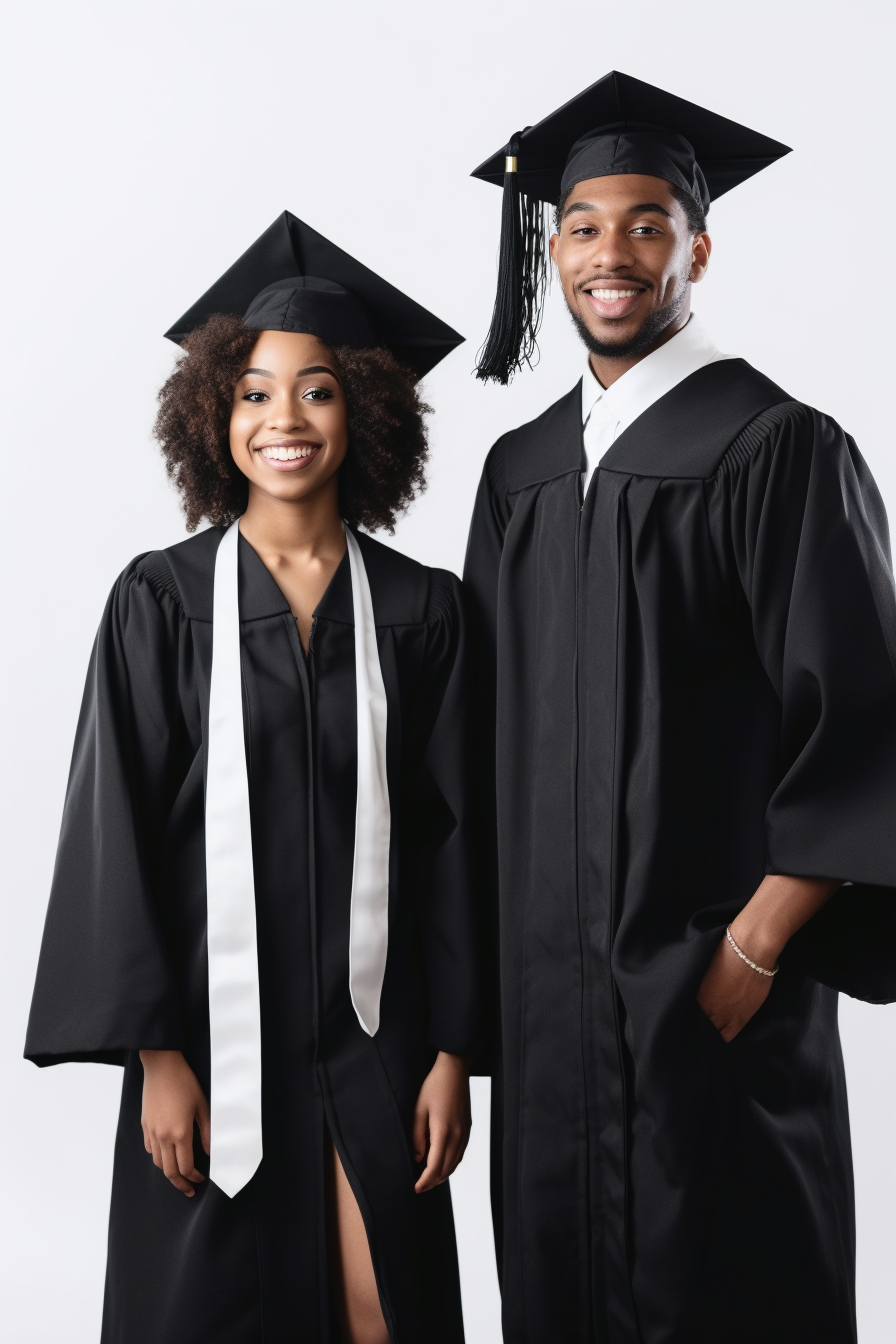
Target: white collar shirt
606,412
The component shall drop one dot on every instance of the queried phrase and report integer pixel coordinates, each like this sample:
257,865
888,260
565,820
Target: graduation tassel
522,276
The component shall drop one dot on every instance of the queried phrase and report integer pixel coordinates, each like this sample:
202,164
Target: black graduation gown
123,964
694,677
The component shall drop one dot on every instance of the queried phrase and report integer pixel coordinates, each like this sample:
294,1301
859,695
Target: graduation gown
123,965
687,682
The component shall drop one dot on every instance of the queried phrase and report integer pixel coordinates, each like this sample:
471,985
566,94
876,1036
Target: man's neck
608,370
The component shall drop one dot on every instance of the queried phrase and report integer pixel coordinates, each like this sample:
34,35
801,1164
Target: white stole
234,1012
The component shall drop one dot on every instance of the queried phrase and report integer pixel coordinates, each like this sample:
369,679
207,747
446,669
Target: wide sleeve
104,979
481,575
449,922
808,532
481,568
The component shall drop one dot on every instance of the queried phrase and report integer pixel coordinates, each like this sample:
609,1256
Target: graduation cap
618,125
294,279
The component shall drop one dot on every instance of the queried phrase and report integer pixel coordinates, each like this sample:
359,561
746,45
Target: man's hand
731,991
442,1120
173,1102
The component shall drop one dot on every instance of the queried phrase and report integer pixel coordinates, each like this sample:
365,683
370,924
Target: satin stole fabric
234,1003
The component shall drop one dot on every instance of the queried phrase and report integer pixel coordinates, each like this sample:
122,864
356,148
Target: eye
317,394
585,231
255,396
644,229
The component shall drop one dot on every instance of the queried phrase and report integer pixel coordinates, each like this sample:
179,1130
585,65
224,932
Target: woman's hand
442,1120
173,1102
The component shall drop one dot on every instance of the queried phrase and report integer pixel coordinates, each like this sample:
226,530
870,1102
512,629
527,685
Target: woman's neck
307,529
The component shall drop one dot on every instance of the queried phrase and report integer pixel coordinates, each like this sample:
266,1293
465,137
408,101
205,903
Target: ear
701,247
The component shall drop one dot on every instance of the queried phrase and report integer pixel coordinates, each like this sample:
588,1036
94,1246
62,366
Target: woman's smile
288,454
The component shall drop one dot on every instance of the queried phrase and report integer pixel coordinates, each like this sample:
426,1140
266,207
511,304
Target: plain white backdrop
145,146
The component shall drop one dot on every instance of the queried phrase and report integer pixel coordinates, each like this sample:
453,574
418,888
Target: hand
731,991
173,1102
442,1120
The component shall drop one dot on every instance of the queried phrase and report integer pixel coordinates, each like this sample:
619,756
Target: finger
461,1139
203,1119
432,1175
458,1148
451,1160
172,1171
719,1021
147,1141
426,1182
156,1151
421,1125
186,1164
438,1147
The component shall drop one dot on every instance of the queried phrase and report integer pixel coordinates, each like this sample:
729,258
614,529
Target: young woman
276,706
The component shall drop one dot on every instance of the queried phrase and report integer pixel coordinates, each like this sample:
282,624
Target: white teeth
278,454
611,295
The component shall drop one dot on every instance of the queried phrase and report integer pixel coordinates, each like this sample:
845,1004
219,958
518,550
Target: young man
686,630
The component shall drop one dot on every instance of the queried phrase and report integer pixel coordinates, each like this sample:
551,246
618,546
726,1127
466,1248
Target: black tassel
522,277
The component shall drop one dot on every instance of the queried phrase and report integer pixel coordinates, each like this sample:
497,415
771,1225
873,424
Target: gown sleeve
481,572
450,934
481,568
810,543
105,983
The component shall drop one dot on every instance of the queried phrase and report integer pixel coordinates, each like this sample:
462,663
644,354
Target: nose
612,251
286,412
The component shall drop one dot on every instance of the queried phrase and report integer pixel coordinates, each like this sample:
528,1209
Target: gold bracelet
743,956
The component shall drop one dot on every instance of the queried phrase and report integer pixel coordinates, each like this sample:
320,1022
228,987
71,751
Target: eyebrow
302,373
317,368
585,207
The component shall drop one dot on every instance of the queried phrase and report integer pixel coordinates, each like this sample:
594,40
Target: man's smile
612,298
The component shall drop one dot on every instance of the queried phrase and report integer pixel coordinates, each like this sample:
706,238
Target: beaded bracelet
743,956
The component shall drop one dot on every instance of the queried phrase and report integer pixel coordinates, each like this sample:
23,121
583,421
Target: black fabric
345,302
725,153
687,681
629,147
319,307
123,964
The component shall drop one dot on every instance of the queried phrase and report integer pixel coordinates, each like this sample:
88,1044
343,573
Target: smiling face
288,427
626,260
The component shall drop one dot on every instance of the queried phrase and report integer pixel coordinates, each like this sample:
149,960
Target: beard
645,338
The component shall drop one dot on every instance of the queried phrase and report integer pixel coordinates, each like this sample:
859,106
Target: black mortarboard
293,279
618,125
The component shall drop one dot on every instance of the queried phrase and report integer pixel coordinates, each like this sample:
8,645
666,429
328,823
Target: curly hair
387,439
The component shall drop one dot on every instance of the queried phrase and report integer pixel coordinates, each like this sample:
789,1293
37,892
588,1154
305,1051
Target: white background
145,146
